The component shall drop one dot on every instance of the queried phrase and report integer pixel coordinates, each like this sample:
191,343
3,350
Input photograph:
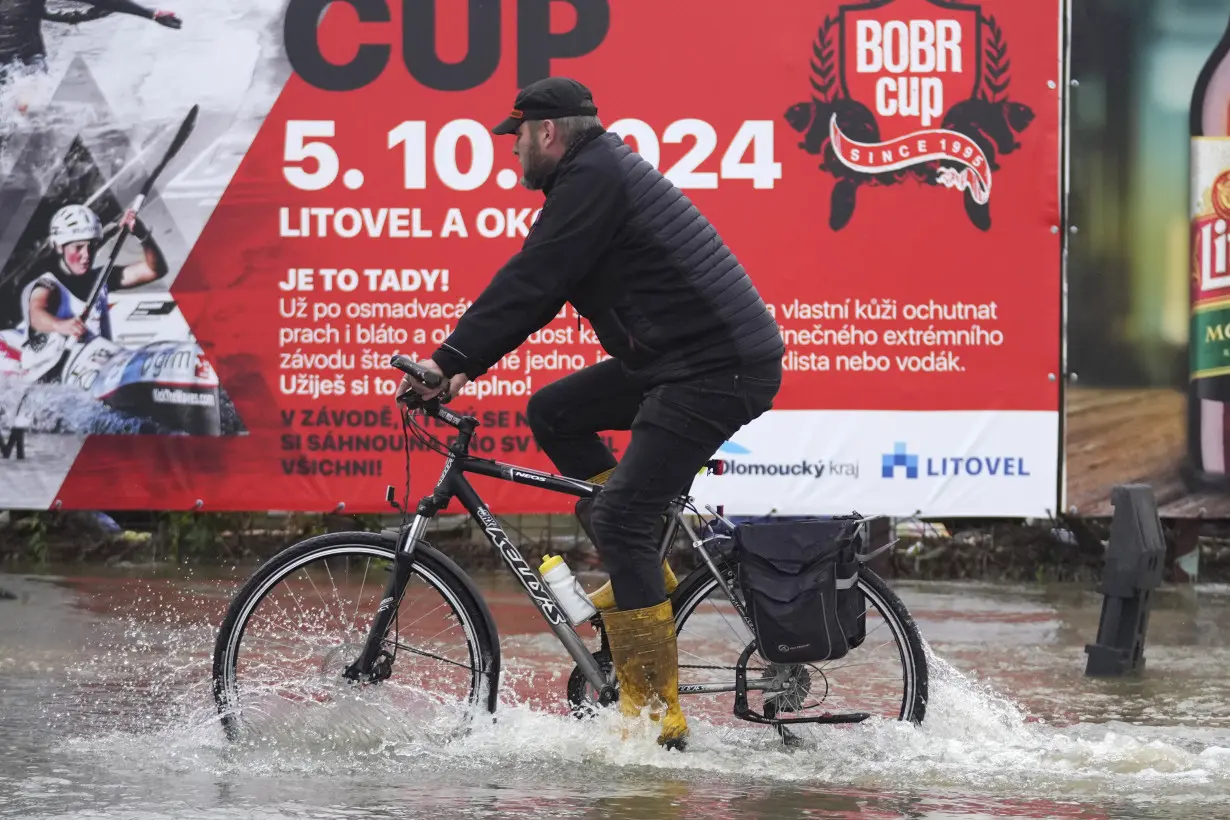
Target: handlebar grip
413,369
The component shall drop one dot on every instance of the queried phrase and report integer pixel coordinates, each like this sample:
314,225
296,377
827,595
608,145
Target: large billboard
888,172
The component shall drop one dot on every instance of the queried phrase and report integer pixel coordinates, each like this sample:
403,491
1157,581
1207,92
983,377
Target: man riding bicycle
696,355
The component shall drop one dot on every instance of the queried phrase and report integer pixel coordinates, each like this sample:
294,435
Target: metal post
1134,563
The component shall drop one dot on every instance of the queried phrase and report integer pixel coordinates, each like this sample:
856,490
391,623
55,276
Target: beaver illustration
856,121
993,126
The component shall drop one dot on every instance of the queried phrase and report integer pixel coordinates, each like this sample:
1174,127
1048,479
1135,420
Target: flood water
106,711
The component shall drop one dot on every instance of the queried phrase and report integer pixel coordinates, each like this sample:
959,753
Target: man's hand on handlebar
453,385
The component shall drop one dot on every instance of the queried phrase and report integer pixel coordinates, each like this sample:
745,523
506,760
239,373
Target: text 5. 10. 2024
313,158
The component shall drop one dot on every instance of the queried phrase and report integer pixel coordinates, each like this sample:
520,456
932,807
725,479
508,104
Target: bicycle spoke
862,663
271,641
354,621
414,651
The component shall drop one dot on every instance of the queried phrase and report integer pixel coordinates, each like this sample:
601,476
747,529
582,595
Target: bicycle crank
579,698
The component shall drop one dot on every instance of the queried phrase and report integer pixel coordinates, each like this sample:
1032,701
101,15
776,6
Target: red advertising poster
888,172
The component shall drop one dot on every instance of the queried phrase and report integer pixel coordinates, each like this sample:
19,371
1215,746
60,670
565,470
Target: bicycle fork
365,667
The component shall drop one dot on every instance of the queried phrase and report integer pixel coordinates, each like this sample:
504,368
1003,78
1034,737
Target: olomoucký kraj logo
814,468
910,89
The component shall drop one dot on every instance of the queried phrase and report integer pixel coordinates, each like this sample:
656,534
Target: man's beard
537,169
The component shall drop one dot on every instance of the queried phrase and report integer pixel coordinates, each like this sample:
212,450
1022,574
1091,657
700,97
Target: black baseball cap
547,99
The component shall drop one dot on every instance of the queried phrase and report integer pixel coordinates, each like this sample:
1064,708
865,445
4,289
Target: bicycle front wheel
885,676
304,616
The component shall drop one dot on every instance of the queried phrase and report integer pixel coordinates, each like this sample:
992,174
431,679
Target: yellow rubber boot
643,648
604,597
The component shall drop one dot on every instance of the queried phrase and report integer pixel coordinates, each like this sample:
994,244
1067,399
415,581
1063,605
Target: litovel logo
899,457
979,466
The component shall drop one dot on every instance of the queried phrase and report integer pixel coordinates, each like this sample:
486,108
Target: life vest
66,306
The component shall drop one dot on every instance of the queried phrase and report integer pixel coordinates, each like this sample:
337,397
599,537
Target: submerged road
105,711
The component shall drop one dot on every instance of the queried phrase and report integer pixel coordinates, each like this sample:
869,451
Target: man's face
537,161
77,257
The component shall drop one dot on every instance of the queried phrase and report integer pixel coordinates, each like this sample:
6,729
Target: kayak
165,381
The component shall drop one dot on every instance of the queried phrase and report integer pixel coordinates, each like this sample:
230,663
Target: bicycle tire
700,582
467,604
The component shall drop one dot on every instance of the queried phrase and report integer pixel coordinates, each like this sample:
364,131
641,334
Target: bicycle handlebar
416,371
411,399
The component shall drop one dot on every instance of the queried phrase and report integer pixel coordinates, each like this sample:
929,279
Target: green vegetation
1038,551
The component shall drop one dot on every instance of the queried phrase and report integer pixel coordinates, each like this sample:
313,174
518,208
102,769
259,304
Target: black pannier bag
799,582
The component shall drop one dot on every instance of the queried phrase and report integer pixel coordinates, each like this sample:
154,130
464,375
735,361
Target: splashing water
137,707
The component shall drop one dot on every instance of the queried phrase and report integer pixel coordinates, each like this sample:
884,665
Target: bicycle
404,553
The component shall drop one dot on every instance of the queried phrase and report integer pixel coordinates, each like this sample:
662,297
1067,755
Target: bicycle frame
454,484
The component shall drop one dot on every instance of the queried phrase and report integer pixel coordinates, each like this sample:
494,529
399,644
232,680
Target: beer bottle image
1208,393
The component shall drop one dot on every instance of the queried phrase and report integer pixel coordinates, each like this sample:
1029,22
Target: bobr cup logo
910,89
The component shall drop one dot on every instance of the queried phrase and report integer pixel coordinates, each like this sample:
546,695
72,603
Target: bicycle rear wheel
304,616
885,677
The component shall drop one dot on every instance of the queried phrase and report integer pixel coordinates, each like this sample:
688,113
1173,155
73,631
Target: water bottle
567,589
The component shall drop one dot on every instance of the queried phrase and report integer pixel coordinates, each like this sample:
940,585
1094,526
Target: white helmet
73,223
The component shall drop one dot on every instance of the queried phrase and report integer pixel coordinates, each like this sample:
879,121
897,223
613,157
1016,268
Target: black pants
676,428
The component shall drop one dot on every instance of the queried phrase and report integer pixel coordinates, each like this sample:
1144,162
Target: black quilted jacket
635,257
